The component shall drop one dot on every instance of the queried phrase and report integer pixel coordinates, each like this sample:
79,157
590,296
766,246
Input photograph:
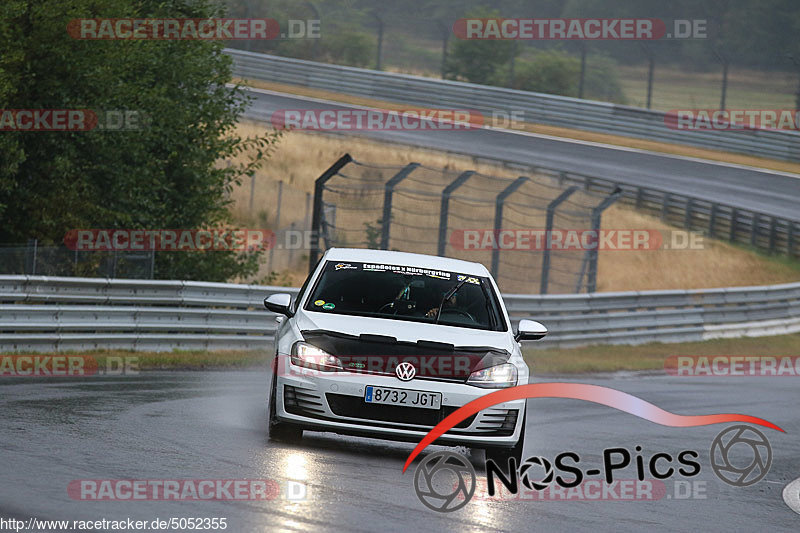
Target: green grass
613,358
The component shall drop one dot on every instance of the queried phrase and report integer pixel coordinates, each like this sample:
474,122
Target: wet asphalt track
209,425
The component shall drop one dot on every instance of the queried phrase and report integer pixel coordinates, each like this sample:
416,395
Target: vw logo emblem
405,371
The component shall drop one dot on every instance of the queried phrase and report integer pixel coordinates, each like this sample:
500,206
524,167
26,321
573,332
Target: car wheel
501,455
280,431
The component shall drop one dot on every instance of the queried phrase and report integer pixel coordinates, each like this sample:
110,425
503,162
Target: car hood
405,331
379,345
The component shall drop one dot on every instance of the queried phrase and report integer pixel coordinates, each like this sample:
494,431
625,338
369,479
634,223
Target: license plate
406,398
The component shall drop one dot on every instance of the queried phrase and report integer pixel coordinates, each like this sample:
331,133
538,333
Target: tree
478,61
165,174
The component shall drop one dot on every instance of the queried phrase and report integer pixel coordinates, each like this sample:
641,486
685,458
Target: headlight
494,377
309,356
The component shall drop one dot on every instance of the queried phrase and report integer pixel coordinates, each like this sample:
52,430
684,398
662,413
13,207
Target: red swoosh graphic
578,391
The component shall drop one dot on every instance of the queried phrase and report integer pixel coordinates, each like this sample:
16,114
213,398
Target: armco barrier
536,107
44,314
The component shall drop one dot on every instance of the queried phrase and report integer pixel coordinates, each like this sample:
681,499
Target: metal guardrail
763,231
536,107
40,313
43,314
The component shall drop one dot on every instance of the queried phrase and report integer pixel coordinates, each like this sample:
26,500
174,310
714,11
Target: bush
551,72
348,47
556,72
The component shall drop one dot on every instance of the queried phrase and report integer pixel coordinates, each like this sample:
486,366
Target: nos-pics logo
446,481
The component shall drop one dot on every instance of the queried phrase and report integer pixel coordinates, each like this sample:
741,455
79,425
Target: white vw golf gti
386,344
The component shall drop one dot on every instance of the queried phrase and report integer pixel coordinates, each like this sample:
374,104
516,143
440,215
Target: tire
280,431
501,455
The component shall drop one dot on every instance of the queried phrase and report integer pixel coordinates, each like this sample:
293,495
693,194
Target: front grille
356,407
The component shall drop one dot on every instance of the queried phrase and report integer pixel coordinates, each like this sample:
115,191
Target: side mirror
279,303
530,330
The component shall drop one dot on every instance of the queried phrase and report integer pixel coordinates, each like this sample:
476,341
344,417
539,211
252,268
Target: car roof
388,257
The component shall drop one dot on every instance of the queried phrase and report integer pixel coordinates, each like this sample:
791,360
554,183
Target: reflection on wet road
212,426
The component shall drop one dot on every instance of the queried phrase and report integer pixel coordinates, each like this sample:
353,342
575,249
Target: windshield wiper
449,294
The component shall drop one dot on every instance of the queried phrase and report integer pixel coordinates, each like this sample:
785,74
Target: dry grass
718,264
677,88
618,140
301,157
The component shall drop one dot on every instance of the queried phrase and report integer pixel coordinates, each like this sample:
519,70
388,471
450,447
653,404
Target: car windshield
406,292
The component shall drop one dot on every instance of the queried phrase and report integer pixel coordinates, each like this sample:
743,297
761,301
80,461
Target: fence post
772,229
712,220
790,240
665,207
754,220
34,250
639,197
551,211
328,221
687,216
379,52
498,219
306,219
597,212
443,210
277,223
291,248
316,217
387,201
734,216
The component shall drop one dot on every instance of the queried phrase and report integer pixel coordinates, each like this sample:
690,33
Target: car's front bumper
334,401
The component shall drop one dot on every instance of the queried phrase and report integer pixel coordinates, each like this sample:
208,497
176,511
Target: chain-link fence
274,208
514,226
36,260
286,210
